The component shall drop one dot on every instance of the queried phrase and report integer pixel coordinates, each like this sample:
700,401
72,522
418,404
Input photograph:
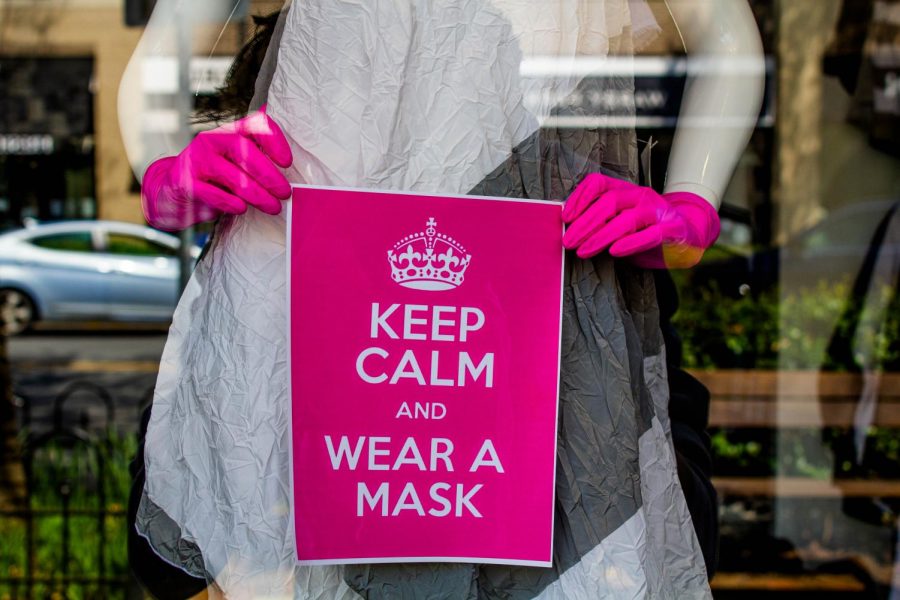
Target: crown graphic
428,260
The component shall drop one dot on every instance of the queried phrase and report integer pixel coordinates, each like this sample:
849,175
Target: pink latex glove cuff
653,231
224,170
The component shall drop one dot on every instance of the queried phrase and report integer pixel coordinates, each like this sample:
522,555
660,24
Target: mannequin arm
723,95
174,25
224,170
721,102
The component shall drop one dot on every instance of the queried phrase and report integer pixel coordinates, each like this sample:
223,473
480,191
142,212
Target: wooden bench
779,582
795,399
781,399
804,487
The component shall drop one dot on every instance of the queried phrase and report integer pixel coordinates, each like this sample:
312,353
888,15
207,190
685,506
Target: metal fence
64,534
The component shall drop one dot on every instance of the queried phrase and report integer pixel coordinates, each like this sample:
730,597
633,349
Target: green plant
738,454
719,331
822,327
789,453
62,469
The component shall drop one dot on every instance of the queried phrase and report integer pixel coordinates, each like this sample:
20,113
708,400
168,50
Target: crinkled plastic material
432,97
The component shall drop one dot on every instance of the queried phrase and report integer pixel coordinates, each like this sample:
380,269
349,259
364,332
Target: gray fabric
166,538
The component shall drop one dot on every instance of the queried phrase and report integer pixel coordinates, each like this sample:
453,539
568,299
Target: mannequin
672,230
720,36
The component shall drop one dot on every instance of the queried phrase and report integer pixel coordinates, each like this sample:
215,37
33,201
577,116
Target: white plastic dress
445,97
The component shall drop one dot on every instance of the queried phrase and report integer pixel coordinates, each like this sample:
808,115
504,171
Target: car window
132,245
76,241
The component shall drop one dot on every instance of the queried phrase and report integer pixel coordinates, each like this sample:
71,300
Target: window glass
851,227
79,241
788,329
132,245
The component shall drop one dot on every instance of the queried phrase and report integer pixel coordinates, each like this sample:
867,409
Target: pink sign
425,340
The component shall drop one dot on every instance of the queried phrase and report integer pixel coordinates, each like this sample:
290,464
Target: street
122,362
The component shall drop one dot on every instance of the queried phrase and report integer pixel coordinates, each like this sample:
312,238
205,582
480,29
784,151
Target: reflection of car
832,250
87,270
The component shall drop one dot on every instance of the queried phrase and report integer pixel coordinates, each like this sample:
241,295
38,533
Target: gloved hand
654,231
224,170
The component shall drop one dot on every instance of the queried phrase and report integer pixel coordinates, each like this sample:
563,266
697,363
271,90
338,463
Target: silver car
87,271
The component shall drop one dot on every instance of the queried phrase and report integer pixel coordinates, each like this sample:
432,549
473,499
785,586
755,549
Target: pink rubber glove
224,170
654,231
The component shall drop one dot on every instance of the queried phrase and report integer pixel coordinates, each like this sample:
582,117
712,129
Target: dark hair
232,100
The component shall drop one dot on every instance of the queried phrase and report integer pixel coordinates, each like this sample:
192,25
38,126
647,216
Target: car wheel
16,312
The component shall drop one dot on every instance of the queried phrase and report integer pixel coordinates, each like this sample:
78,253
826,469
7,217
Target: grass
63,468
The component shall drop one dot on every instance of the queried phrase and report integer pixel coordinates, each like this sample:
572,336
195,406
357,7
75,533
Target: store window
46,139
795,334
791,321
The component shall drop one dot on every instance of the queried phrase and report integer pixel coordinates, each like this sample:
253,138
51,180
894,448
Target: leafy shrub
823,328
62,468
817,328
